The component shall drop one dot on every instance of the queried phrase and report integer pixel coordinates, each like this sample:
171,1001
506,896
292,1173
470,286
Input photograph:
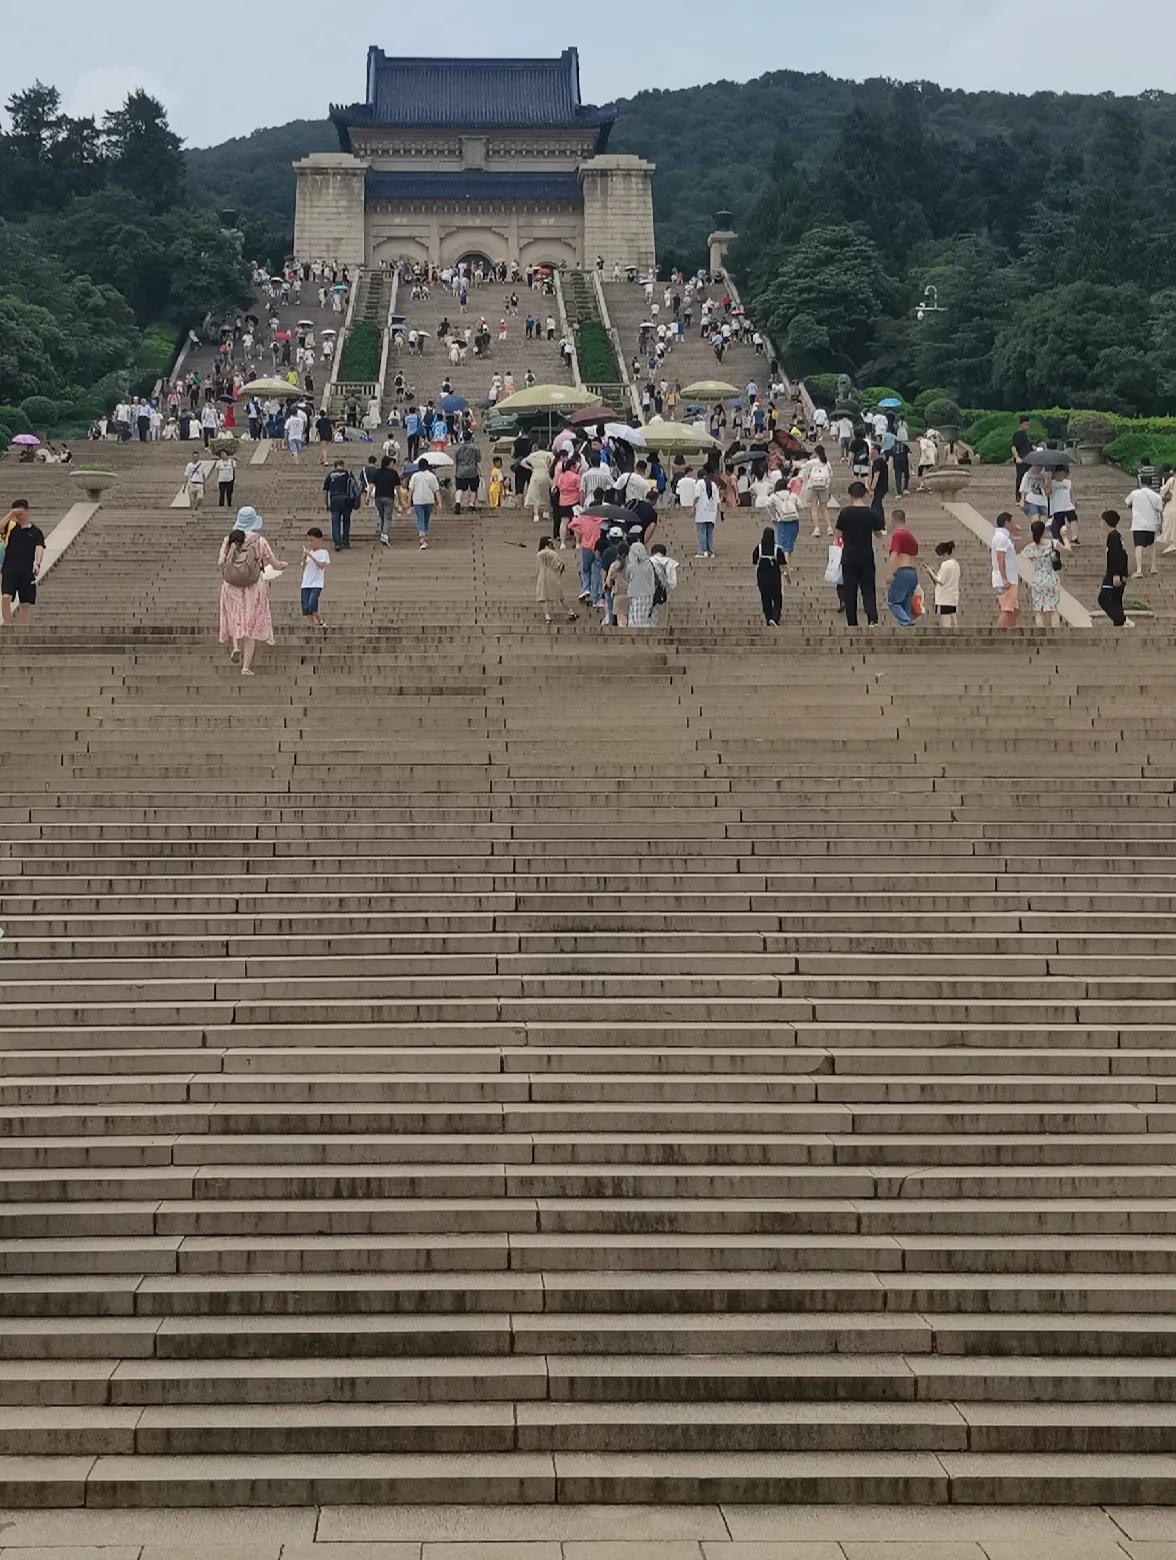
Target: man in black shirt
879,481
384,485
1110,597
1022,444
24,550
858,525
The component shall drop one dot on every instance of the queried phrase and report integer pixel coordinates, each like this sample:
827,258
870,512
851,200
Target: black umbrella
1051,460
742,459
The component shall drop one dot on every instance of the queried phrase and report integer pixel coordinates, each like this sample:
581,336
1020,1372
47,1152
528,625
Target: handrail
794,387
383,376
568,334
618,350
337,360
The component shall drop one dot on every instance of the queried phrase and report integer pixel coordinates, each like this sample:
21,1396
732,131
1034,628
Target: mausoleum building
451,159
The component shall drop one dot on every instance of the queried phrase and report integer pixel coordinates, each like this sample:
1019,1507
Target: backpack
242,567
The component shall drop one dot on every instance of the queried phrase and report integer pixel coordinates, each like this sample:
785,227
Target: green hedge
40,411
361,354
1129,449
5,437
598,364
822,388
14,420
153,357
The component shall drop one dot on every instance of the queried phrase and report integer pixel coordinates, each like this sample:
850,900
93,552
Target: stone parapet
618,211
329,216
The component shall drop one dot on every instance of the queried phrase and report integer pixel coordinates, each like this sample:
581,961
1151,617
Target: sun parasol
27,441
539,398
711,389
270,387
674,437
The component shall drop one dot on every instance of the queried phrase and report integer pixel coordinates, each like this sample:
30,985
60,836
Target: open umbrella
1051,460
27,441
633,436
566,437
591,416
307,323
331,332
890,403
743,458
453,403
339,287
270,387
436,459
678,437
277,278
542,397
711,389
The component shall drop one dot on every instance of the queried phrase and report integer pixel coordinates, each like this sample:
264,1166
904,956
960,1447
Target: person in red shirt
587,531
903,572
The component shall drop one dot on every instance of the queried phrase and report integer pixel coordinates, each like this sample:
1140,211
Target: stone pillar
329,216
618,211
717,245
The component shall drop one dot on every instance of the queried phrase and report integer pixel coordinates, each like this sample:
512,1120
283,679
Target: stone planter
1092,455
946,483
226,444
94,483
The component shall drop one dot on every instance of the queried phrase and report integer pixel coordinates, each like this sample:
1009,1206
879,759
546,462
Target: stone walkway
596,1533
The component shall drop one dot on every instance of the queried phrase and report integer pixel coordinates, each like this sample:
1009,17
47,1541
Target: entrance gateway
450,157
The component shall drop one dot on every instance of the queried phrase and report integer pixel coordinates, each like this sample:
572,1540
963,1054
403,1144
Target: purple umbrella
30,441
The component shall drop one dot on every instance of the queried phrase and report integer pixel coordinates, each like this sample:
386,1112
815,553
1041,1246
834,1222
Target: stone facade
329,221
522,176
618,211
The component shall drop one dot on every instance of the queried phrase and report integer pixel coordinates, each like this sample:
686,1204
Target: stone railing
566,330
793,386
629,389
332,385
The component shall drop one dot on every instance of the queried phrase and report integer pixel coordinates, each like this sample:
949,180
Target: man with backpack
342,495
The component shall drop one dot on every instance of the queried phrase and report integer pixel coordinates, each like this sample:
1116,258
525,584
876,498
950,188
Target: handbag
1055,559
833,575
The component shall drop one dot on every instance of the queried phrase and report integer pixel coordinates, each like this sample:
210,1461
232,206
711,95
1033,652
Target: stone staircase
693,358
515,356
471,1062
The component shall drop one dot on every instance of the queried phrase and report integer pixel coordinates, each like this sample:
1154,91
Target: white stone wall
431,231
618,211
329,216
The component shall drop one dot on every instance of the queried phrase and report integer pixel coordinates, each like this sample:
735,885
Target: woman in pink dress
245,610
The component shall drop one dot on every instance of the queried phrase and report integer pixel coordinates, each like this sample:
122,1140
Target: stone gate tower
448,159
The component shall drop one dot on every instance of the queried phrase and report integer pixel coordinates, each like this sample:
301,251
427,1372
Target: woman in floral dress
1044,585
245,610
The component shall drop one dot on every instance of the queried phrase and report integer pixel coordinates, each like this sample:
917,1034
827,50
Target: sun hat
248,519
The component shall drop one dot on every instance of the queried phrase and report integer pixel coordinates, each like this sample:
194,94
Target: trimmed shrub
40,410
925,397
598,363
14,420
822,388
153,358
942,410
361,354
1092,428
875,393
1128,449
5,437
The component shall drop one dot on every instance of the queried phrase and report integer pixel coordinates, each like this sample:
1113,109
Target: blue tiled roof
474,185
480,94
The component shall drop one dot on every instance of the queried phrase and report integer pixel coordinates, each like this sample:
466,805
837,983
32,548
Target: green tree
143,153
33,350
1065,346
835,275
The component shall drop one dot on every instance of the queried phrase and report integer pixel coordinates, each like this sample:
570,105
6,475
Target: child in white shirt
947,585
315,562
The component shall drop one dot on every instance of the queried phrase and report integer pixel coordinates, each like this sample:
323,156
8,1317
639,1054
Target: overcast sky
224,75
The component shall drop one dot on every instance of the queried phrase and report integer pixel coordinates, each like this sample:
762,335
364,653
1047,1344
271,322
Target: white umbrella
633,436
331,332
435,458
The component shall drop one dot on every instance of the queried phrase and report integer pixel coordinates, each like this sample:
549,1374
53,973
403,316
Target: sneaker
423,545
700,555
383,541
1128,623
584,596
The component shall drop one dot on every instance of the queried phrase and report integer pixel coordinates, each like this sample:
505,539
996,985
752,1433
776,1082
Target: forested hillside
103,262
1040,221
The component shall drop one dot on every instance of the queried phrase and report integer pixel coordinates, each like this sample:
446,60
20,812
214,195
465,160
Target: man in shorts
24,550
1147,512
466,474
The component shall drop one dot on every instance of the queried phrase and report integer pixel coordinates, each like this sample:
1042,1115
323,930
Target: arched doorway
472,259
